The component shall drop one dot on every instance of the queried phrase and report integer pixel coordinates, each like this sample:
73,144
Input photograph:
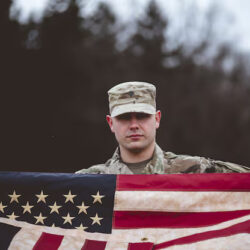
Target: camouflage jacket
167,163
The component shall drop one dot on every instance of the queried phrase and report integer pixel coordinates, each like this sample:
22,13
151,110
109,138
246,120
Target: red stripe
145,219
243,227
48,241
141,246
185,182
94,245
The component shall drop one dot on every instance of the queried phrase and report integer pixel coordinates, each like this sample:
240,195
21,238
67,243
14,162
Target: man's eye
124,117
128,116
141,116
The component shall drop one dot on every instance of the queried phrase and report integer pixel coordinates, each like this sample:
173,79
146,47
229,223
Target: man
134,120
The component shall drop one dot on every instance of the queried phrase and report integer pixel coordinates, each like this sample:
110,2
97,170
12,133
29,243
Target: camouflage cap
132,97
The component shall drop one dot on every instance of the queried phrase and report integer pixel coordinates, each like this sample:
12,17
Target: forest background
55,74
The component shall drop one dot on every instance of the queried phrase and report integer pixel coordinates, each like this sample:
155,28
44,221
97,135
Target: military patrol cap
132,97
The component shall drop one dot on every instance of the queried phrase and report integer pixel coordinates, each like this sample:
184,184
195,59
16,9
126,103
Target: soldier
134,120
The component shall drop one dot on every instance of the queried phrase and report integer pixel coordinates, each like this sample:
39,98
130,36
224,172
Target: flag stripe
159,235
141,246
94,245
243,227
72,242
7,232
114,245
180,201
26,238
237,241
144,219
182,182
48,241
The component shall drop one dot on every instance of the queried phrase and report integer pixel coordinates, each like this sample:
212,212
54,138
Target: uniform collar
155,166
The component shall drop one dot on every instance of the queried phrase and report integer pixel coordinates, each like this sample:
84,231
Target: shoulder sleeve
228,167
96,169
197,164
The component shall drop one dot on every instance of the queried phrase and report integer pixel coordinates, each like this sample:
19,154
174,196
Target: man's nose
134,122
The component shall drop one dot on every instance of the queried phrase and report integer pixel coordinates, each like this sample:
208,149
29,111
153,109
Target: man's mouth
135,136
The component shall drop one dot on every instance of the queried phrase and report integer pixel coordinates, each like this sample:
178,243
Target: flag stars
40,218
27,208
83,208
97,197
41,197
13,216
96,219
69,197
2,207
81,227
14,197
54,208
68,219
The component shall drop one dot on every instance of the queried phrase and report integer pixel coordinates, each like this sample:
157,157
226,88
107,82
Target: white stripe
72,243
237,242
24,239
116,246
181,201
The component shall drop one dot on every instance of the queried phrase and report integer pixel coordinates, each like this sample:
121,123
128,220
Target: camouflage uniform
167,163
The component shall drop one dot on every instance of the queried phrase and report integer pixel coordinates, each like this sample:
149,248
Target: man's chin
135,147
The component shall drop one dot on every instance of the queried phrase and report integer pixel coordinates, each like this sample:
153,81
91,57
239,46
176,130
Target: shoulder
196,164
231,167
95,169
185,163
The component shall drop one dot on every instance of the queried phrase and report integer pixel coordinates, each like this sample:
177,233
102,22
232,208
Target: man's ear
110,122
158,118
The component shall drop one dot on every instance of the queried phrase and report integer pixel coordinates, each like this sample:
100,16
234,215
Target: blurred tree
145,49
12,56
71,53
12,36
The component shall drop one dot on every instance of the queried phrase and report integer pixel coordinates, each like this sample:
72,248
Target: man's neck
137,156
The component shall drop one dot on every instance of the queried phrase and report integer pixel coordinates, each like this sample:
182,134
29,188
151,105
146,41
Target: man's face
135,132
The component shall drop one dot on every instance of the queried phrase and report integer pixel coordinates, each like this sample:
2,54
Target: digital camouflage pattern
132,97
167,163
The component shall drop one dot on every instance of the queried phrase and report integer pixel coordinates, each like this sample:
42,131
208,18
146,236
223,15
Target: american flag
75,211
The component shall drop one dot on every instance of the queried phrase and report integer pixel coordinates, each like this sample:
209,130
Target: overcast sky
237,16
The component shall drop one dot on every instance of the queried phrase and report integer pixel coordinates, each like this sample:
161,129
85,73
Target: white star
68,219
53,225
82,208
97,197
69,197
2,207
14,197
54,208
96,219
40,218
81,227
27,208
41,197
13,216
